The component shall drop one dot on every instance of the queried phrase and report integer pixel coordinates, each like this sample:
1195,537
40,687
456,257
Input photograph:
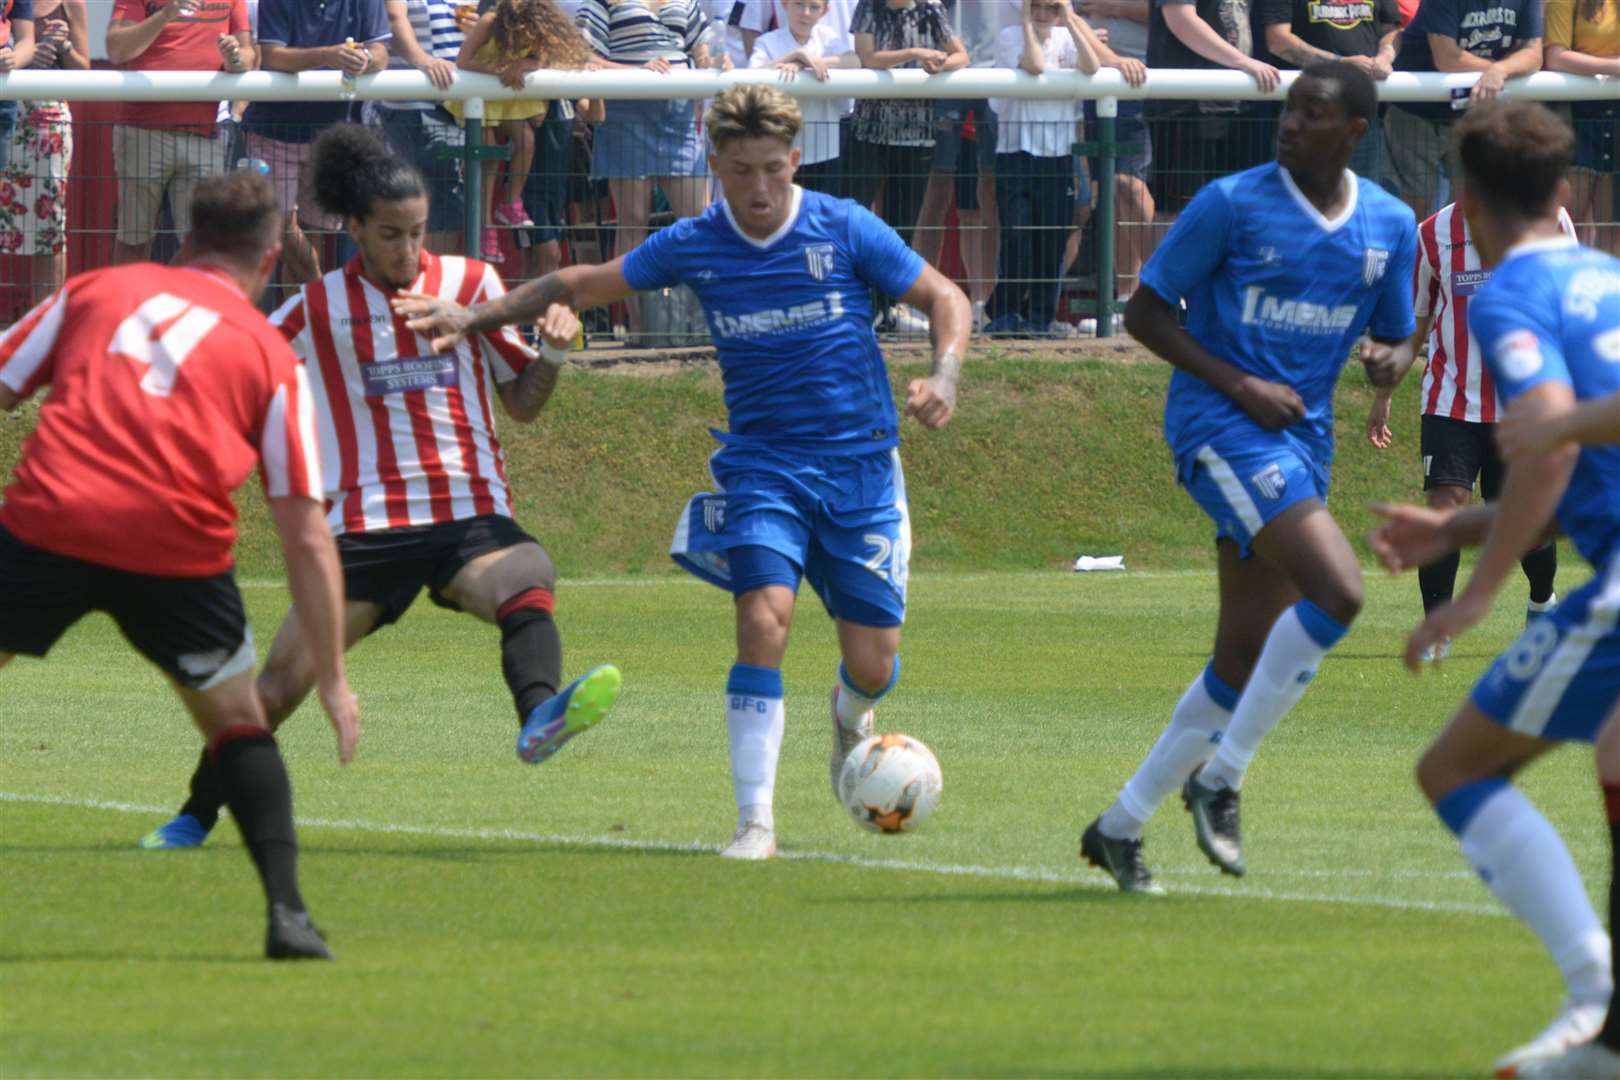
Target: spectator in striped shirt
1460,404
427,39
122,501
643,144
415,476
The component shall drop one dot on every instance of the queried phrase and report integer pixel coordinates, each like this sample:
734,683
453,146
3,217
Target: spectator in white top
1125,23
1035,174
805,44
965,161
760,17
727,19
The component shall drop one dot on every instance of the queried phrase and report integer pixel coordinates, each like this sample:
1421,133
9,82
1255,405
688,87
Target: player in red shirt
415,476
167,388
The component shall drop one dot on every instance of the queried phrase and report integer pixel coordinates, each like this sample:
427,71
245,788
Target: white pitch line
1003,873
955,577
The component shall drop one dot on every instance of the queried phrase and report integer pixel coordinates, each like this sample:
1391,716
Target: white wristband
552,355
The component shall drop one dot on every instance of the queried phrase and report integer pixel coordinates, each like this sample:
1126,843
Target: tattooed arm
525,396
574,287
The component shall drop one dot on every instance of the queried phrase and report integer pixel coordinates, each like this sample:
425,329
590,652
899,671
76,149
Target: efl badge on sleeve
818,259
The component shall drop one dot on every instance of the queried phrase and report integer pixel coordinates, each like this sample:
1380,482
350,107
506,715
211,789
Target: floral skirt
33,190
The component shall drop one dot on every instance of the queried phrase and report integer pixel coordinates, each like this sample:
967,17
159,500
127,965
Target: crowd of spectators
585,180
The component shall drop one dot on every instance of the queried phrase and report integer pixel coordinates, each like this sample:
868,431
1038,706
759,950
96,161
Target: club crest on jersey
714,513
1373,265
818,259
1270,482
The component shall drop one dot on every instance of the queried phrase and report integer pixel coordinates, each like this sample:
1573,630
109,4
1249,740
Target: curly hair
355,168
538,29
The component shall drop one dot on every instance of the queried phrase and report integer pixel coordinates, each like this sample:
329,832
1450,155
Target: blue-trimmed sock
1298,640
853,702
755,718
1191,737
1522,858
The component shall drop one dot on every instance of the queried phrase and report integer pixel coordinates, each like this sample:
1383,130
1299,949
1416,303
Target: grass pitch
493,919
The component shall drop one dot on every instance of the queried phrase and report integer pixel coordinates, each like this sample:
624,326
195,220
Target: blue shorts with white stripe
1248,476
1561,678
840,520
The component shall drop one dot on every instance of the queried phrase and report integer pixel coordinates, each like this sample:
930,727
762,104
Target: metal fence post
472,183
1107,112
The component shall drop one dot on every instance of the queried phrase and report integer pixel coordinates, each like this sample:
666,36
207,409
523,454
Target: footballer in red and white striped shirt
1455,382
415,477
1459,404
167,387
407,434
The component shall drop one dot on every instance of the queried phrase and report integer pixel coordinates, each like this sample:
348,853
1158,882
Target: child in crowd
512,39
1037,184
807,44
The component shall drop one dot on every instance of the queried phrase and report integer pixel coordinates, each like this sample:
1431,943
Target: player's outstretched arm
1587,423
1150,319
1524,513
577,287
316,582
932,400
524,397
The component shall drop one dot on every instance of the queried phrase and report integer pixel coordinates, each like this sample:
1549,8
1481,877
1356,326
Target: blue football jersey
1551,313
791,318
1280,291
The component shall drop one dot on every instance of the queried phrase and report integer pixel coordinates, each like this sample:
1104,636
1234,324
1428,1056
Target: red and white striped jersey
167,388
407,436
1455,382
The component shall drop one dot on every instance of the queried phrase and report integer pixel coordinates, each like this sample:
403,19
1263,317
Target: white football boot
844,739
754,842
1574,1024
1588,1061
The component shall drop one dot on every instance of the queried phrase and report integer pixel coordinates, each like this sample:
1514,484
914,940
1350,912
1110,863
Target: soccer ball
889,783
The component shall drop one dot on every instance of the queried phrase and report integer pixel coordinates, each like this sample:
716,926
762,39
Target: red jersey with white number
1455,382
407,436
167,388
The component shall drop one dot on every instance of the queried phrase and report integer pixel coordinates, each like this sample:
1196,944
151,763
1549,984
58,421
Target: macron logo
1260,308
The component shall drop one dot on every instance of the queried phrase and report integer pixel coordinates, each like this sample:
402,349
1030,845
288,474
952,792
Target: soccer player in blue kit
1282,268
807,478
1548,326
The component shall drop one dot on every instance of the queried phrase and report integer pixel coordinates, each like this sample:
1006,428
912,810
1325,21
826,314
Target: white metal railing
1162,83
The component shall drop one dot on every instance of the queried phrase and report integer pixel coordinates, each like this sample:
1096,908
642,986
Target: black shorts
1457,452
389,567
193,628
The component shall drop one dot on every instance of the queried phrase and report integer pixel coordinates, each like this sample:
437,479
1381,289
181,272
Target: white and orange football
890,783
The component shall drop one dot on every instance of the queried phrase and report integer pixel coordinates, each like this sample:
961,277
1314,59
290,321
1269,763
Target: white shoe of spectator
1088,326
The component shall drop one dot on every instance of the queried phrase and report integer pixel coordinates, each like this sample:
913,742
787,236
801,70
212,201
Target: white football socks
756,743
853,702
1299,639
1189,740
1522,858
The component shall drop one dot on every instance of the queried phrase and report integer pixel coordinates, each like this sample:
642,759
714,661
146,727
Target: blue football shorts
1561,678
839,520
1247,476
